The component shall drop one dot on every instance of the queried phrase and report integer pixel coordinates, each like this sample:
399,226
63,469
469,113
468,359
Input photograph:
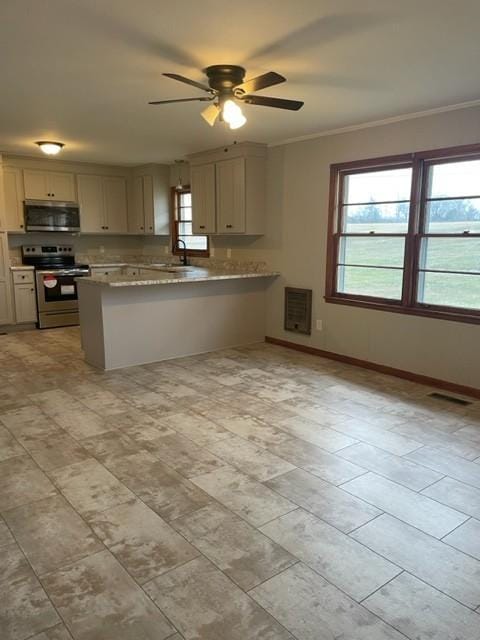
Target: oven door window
59,288
43,217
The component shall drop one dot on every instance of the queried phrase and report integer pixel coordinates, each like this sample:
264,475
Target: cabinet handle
21,226
32,289
151,228
106,227
202,226
141,228
53,195
229,226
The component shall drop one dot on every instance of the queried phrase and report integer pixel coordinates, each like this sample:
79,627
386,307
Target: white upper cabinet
115,199
136,213
13,193
149,201
228,190
141,217
230,183
103,204
90,200
49,185
202,184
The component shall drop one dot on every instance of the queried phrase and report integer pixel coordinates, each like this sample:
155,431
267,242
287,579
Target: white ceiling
82,71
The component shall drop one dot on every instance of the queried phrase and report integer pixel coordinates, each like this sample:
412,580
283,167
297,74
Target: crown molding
378,123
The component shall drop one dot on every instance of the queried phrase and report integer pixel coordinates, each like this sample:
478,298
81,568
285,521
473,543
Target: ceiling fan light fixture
210,114
49,147
232,115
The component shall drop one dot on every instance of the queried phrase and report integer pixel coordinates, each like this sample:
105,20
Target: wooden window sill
426,312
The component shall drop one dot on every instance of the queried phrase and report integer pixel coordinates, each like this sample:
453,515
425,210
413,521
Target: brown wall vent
298,310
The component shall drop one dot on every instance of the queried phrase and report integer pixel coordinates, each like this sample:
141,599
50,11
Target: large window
405,234
197,245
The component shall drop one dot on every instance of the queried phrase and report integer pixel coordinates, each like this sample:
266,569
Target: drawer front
104,271
23,277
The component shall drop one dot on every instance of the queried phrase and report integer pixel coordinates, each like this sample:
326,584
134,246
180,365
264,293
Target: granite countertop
21,267
194,274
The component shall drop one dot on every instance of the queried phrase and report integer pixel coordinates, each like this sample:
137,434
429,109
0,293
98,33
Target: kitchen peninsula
166,312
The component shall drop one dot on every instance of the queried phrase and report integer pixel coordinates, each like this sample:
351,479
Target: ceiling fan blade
210,114
260,82
200,99
193,83
278,103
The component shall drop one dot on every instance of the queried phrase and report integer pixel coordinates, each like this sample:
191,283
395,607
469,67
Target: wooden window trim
420,162
199,253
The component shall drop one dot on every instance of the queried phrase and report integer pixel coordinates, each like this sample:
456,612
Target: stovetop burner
50,257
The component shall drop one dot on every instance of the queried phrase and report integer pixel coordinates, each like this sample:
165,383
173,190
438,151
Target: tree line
439,211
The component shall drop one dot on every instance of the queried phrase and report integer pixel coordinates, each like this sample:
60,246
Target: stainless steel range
55,274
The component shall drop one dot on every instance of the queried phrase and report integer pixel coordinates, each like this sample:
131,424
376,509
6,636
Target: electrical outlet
102,249
229,253
319,325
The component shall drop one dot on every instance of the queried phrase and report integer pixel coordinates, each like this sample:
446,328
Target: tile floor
253,493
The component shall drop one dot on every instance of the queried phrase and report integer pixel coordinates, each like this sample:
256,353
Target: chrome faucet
184,258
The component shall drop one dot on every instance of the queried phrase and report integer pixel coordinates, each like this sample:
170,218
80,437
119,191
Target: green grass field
450,254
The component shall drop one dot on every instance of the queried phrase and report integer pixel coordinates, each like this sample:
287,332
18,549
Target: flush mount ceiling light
49,147
226,88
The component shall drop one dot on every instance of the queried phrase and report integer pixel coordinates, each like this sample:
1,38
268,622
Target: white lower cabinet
5,284
25,303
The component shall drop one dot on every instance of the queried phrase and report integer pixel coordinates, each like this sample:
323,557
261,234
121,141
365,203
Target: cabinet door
202,184
5,317
90,199
148,204
61,186
136,217
12,182
25,303
5,291
115,202
35,185
230,179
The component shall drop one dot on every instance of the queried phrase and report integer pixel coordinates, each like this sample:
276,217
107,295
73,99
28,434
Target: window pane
377,186
381,252
452,179
185,228
198,243
450,289
453,216
185,199
185,213
451,254
385,218
367,281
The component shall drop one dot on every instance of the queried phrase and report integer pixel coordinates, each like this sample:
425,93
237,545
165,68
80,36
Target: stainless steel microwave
47,215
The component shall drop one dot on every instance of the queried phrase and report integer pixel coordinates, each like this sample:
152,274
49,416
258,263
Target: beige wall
295,244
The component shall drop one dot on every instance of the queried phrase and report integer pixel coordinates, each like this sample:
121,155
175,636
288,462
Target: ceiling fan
226,87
